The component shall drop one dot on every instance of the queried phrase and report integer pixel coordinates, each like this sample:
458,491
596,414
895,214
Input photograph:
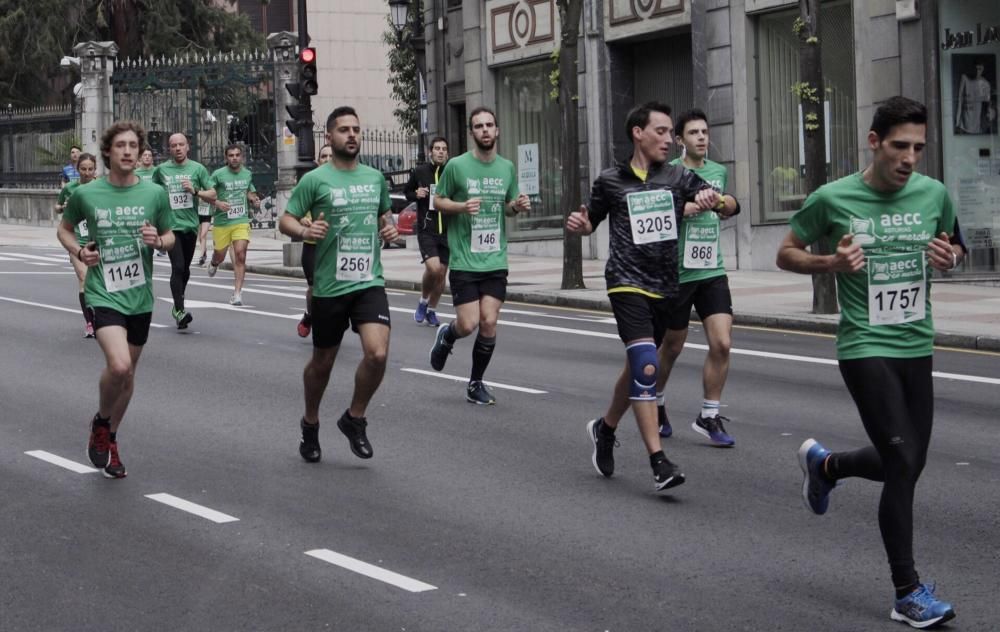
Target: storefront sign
964,39
527,168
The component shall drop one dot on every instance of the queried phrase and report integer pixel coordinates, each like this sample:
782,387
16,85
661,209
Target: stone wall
34,207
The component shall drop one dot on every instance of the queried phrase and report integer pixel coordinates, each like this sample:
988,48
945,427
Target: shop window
970,70
527,115
781,176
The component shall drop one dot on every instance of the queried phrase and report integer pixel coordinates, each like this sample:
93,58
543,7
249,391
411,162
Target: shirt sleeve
446,184
811,222
302,197
204,179
410,190
597,208
64,194
158,178
164,216
690,184
73,213
513,191
385,202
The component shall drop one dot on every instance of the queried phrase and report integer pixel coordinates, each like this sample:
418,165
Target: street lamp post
400,13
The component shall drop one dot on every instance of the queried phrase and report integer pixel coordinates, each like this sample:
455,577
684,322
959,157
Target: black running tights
895,398
180,264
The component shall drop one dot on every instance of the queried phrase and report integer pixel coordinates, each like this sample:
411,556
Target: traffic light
301,123
301,90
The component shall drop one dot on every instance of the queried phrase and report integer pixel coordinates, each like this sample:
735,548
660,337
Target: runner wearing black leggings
887,226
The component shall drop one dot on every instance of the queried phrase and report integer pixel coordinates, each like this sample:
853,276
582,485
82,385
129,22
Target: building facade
737,61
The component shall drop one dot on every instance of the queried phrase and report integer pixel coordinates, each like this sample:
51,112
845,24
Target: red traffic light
307,55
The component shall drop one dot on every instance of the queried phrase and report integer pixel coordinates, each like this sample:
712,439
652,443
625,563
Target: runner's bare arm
793,256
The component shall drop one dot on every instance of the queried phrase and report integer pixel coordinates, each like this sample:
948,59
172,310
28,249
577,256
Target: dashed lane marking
457,378
370,570
192,508
55,459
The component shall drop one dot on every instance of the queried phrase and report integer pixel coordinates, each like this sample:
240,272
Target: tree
811,95
568,84
403,69
35,35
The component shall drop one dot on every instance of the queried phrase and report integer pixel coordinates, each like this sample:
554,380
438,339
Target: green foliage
805,92
58,155
798,25
35,35
554,76
403,71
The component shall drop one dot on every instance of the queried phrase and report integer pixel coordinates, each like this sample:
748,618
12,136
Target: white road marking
54,459
456,378
8,259
22,255
188,303
370,570
33,272
961,463
192,508
40,263
33,304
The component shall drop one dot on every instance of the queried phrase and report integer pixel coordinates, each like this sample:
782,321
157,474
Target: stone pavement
966,316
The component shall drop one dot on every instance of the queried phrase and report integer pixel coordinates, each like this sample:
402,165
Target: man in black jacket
644,200
431,231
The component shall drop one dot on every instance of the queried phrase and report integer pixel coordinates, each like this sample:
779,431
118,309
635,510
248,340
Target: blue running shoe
713,430
432,318
922,609
665,430
816,487
421,312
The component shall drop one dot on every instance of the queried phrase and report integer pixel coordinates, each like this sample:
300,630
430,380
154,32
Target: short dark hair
343,110
319,154
146,148
85,156
117,128
639,115
480,110
438,139
233,146
77,147
897,111
694,114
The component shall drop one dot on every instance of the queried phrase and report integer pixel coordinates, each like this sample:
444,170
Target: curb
805,323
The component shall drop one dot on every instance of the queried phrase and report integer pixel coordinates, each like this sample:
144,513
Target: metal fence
31,138
390,151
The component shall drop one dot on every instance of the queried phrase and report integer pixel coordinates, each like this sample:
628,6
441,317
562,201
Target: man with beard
477,189
186,182
431,231
644,201
350,206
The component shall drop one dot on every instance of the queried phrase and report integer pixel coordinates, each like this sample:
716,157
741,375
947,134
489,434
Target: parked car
406,221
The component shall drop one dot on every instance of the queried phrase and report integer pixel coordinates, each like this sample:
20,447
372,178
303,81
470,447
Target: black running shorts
332,315
136,325
308,261
708,297
433,245
469,287
640,316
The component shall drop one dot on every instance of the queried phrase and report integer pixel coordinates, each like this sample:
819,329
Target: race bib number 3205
897,289
651,214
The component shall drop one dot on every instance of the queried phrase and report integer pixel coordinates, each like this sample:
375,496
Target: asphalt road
468,518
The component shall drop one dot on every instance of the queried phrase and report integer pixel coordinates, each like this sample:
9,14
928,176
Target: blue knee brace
642,387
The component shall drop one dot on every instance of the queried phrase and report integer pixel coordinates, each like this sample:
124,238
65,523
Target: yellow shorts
222,236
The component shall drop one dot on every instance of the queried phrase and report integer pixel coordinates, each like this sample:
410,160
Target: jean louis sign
964,39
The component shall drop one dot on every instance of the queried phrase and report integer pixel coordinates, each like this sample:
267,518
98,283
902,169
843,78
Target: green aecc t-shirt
700,235
171,177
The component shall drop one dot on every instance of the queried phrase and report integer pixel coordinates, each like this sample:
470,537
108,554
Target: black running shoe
666,475
354,429
440,350
309,445
100,439
665,429
604,446
478,393
114,468
712,429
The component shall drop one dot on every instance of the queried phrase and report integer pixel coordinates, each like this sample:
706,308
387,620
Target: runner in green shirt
127,218
703,285
887,226
477,189
234,189
350,206
87,166
146,169
186,182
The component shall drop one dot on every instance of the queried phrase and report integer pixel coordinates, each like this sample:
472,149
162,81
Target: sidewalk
965,316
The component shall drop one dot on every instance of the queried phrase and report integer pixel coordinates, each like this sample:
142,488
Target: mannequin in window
974,112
